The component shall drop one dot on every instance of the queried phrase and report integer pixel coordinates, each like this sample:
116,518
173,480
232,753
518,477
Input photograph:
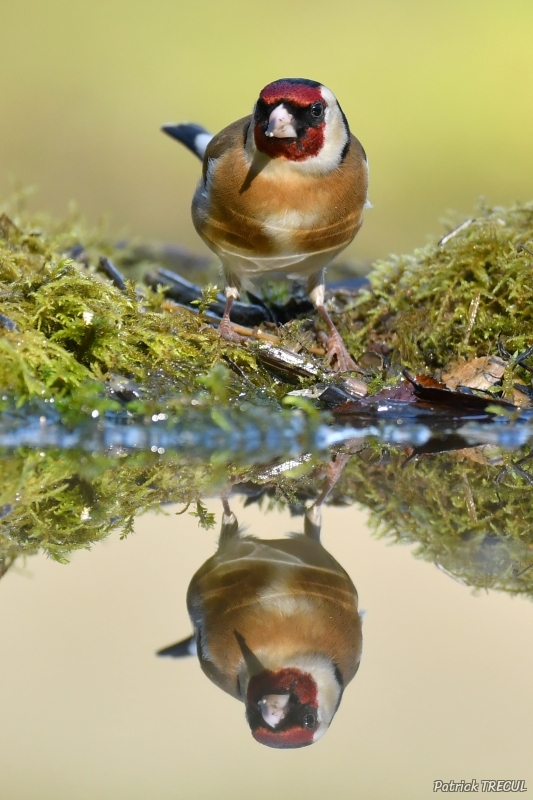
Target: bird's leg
338,356
230,527
313,516
225,327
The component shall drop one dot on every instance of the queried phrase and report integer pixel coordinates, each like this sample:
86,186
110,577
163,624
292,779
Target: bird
276,625
282,190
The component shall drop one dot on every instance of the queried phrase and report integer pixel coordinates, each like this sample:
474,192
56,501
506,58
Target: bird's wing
232,136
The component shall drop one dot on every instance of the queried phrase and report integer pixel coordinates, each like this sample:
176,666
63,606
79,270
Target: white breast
280,227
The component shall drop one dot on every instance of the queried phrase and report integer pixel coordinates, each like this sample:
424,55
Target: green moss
74,331
452,300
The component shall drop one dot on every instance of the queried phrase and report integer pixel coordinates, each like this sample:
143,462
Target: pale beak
281,124
274,708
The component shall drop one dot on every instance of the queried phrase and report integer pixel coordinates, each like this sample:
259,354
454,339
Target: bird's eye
317,109
309,721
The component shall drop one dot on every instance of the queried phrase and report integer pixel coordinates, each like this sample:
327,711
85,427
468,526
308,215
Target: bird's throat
307,145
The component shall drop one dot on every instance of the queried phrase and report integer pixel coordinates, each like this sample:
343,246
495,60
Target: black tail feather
194,137
187,647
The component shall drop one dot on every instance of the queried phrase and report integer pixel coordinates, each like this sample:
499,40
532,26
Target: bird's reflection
276,626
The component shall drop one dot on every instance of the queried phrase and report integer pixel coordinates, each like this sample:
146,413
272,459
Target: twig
463,226
107,266
252,333
471,318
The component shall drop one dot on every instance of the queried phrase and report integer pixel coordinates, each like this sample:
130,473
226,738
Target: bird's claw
227,332
338,356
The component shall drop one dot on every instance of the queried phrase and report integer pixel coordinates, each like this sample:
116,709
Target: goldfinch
282,190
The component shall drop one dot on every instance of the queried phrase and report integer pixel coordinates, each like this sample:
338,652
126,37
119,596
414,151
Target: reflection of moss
451,507
468,514
60,501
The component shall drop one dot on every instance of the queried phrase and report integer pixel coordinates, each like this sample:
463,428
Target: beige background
87,710
439,94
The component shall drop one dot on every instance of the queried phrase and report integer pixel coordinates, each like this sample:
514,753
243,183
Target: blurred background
438,93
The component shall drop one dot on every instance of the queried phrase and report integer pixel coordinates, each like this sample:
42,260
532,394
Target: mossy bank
68,333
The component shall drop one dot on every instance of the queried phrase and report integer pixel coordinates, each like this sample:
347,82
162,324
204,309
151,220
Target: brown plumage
243,200
282,190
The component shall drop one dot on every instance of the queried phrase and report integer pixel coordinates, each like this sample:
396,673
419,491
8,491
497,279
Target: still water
443,690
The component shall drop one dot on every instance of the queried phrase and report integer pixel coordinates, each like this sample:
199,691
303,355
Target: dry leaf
480,373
